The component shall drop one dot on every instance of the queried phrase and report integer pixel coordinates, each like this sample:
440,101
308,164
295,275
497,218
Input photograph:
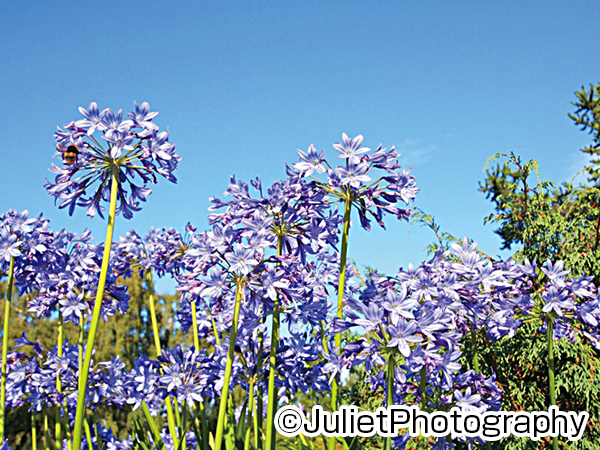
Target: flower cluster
373,182
69,279
104,146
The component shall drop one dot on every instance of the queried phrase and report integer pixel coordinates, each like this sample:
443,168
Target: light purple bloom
557,301
354,175
351,149
402,334
310,161
9,245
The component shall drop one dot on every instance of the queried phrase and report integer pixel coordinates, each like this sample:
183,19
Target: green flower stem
258,417
229,365
250,416
197,346
475,350
88,434
155,332
271,437
183,425
340,307
11,274
58,418
80,362
33,432
552,386
80,348
257,428
46,432
390,374
215,331
195,326
423,406
170,416
203,425
83,375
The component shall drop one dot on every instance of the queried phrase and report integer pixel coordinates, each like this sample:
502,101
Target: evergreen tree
545,220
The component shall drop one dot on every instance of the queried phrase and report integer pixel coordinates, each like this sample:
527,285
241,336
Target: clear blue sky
242,85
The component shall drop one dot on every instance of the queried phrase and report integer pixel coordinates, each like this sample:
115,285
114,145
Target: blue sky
242,85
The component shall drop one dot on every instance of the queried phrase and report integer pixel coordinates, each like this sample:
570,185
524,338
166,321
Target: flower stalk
250,416
271,437
7,305
83,376
474,348
423,406
391,371
46,432
240,283
33,432
550,333
340,307
170,416
58,418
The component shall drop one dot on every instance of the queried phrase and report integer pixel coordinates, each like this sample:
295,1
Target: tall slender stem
46,431
390,374
550,333
271,437
203,425
258,417
88,434
33,432
340,304
183,425
229,365
250,415
80,350
423,406
197,347
195,326
11,274
157,347
255,422
83,375
151,306
58,418
475,349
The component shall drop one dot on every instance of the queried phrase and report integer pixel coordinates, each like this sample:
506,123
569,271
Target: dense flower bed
266,293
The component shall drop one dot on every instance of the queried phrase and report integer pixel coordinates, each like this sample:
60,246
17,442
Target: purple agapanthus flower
310,162
468,400
351,149
403,333
373,182
103,144
9,245
73,307
557,300
354,175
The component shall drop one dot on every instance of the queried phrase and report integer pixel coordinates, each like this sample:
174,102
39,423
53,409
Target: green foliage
544,220
521,363
587,116
443,238
558,222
